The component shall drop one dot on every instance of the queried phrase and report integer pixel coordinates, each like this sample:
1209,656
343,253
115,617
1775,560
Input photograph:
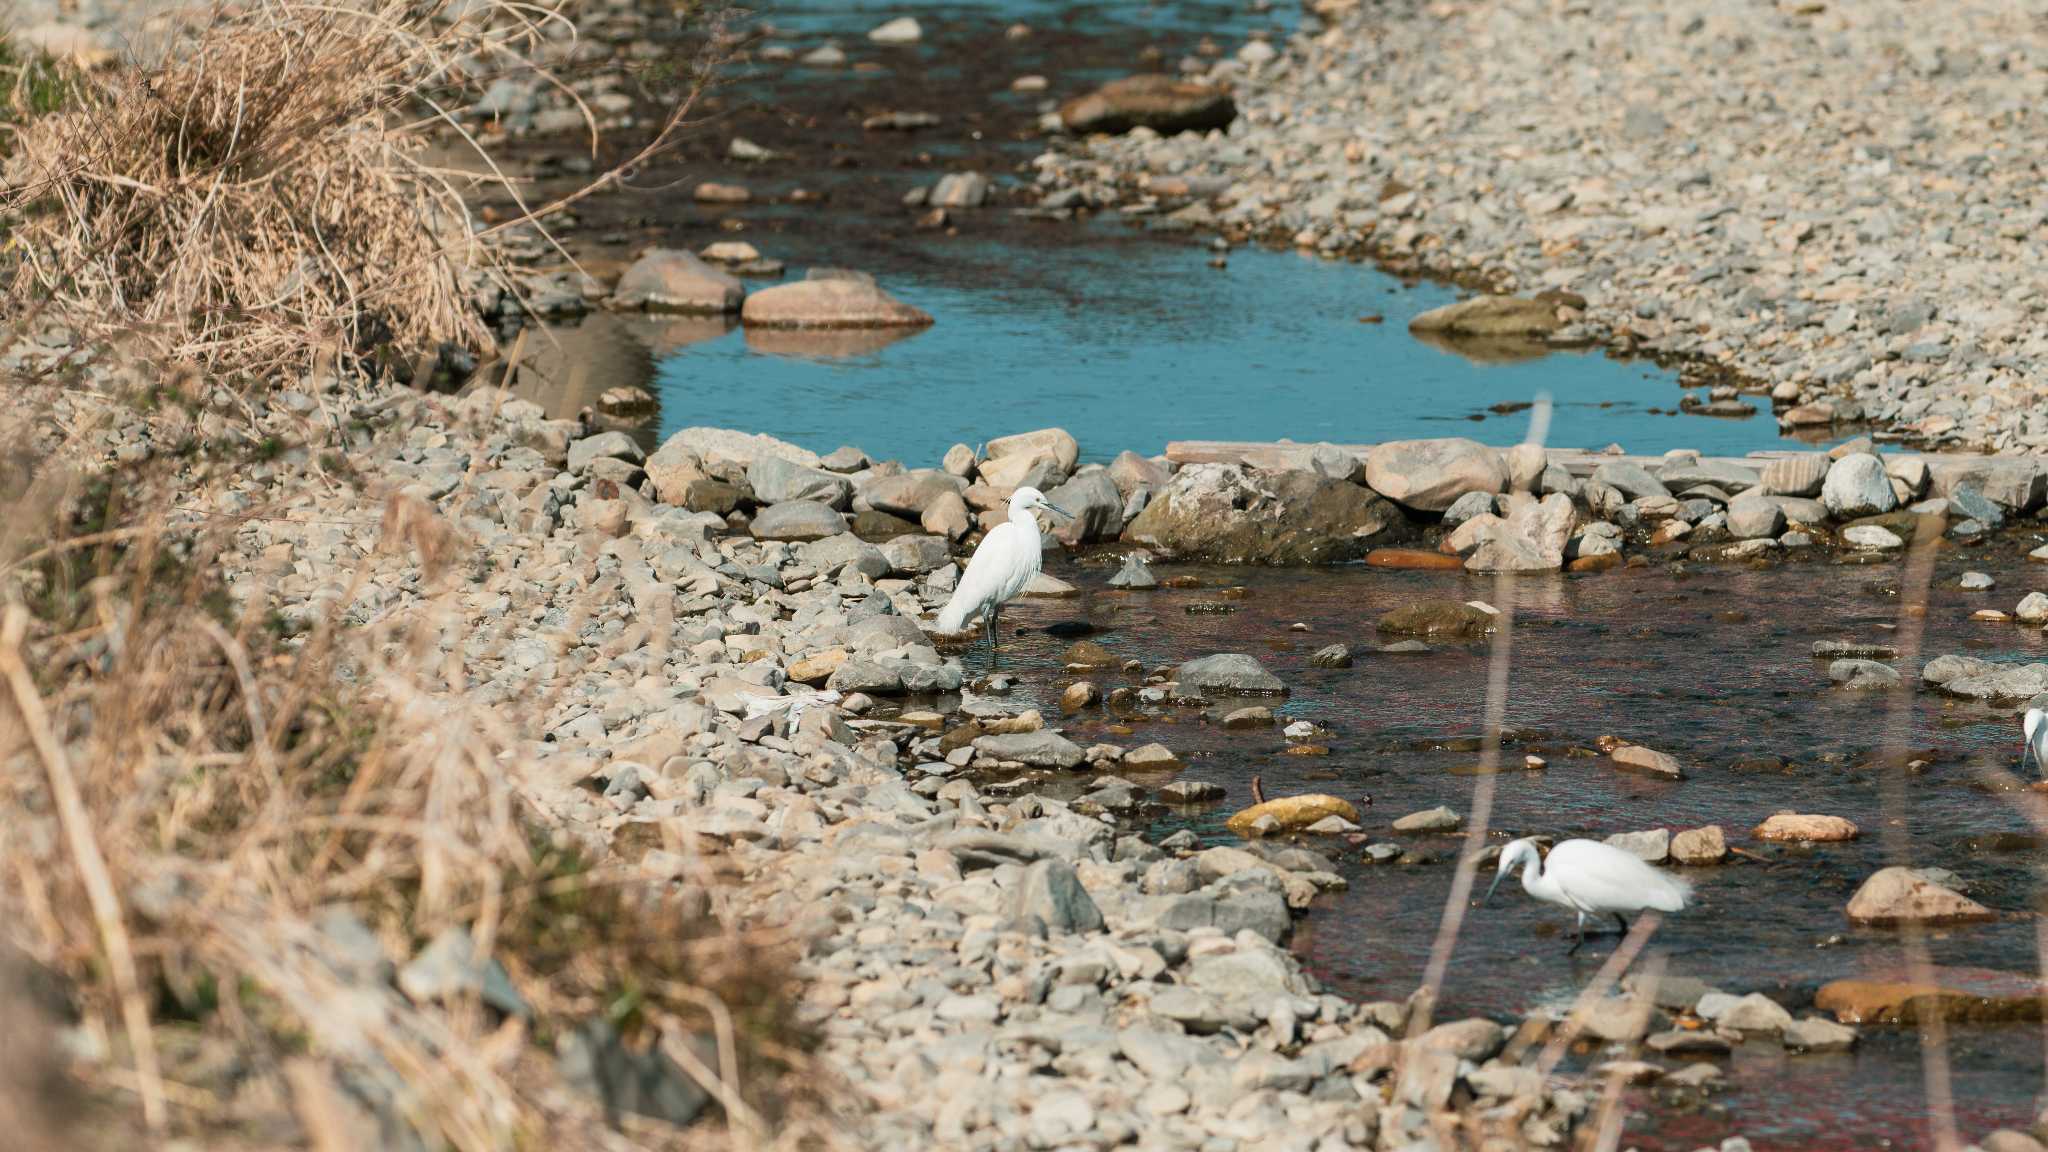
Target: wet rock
1796,827
450,967
1229,673
1041,749
959,190
797,520
1438,819
1867,675
1191,792
1511,552
1652,846
1976,582
1840,649
670,280
901,30
1647,762
1223,513
1898,895
1132,472
1093,506
1293,813
1857,486
1162,103
1052,892
2032,609
1253,717
1755,1012
722,453
1943,669
1978,995
1489,316
1331,656
1437,618
830,298
1430,475
1700,846
1078,695
1872,537
1815,1034
1134,573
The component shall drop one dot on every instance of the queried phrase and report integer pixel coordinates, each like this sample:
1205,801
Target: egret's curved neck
1533,880
1024,518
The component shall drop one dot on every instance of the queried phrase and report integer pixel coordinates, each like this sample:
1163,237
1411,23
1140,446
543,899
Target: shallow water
1712,667
1135,344
1121,334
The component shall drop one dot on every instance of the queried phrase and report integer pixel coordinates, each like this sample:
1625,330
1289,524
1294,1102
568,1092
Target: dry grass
189,791
258,196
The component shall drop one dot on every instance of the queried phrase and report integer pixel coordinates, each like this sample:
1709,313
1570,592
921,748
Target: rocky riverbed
726,642
1834,201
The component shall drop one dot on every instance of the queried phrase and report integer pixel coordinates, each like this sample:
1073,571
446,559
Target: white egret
1003,563
2035,728
1592,879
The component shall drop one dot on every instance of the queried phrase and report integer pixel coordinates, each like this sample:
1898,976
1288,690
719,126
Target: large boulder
1430,475
775,479
1293,813
1221,512
1800,474
1438,618
1229,673
797,520
2018,484
1494,316
830,298
908,494
1858,486
1980,995
1630,479
1510,551
1054,443
1899,895
1152,100
721,453
671,280
1095,506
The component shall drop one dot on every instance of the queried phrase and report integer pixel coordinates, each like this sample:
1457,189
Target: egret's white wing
988,576
1598,877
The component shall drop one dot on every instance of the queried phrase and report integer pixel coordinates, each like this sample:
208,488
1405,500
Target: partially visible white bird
1003,563
1592,879
2035,727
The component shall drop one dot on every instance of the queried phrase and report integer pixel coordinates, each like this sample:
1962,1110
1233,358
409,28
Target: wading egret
1592,879
2035,726
1003,563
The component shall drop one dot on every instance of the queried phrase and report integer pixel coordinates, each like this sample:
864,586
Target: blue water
1130,345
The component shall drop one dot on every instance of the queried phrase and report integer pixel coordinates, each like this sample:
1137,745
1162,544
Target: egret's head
1027,500
1518,854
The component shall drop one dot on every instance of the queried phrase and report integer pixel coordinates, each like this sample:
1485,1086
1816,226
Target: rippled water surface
1713,667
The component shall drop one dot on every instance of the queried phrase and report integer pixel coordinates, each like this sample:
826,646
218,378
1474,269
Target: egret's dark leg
1580,942
1623,923
988,625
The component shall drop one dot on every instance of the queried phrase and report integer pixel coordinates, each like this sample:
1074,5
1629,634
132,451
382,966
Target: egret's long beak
1049,506
1490,887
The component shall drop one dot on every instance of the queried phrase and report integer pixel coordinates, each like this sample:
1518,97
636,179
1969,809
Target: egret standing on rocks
1003,563
1592,879
2035,728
